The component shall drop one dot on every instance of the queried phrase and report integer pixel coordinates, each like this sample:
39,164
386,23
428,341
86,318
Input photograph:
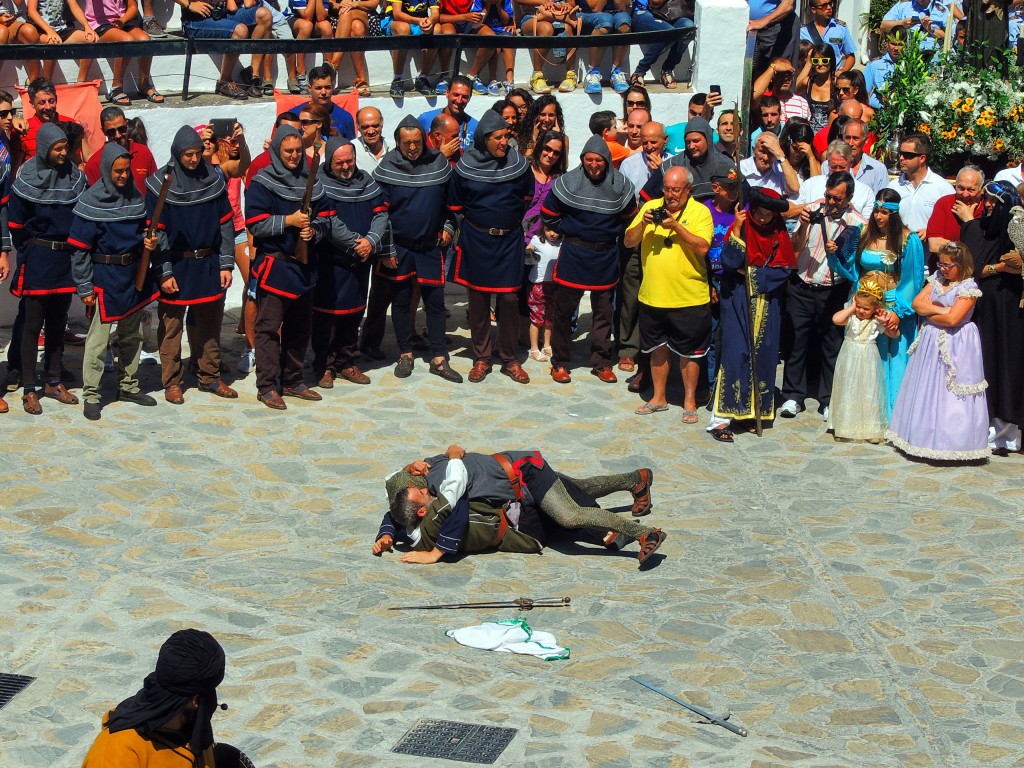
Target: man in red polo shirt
953,211
42,95
115,128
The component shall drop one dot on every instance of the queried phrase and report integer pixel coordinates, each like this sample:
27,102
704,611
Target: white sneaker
149,358
247,361
789,409
824,414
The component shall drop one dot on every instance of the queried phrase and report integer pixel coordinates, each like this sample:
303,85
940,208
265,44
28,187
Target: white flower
888,258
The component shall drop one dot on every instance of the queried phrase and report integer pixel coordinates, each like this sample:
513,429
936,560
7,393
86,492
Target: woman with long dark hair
549,161
797,141
815,84
1000,319
852,85
888,248
545,114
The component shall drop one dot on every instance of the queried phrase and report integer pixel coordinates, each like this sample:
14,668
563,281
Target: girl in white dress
859,404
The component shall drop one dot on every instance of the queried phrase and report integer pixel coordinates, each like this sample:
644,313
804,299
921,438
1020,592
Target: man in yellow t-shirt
674,233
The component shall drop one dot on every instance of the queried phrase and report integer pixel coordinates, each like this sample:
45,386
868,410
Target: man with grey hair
768,166
370,145
953,211
829,226
863,168
838,159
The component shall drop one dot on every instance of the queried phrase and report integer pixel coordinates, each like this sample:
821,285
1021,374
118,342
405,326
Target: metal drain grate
448,740
11,686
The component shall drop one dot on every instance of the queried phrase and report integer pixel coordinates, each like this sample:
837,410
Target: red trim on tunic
80,244
180,303
254,219
15,225
106,318
567,284
227,217
462,281
339,311
424,281
261,282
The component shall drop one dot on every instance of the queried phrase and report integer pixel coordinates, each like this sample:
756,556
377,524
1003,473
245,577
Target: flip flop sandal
647,409
690,417
649,544
119,97
722,434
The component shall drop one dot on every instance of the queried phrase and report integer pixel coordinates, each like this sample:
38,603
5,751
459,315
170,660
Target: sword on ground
523,603
713,719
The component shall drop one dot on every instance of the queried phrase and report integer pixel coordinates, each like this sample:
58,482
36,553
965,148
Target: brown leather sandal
31,403
642,493
60,393
649,544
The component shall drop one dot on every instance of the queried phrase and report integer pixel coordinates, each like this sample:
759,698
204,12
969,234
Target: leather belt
53,245
493,231
598,245
201,253
416,245
283,257
499,535
121,259
510,473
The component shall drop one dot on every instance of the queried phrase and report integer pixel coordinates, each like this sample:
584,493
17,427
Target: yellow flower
924,128
955,104
998,145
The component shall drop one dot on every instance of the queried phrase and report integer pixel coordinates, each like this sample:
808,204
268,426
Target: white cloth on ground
510,636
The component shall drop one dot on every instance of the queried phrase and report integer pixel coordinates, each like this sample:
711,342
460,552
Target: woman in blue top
887,246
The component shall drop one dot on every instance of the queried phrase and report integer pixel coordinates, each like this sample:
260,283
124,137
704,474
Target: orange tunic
129,749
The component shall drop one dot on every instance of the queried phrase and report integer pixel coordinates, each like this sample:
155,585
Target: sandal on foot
60,393
667,80
152,95
636,80
648,408
540,357
690,417
642,493
722,434
649,544
362,89
119,97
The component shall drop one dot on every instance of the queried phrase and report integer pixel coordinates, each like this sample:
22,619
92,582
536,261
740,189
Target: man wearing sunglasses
826,28
115,129
919,187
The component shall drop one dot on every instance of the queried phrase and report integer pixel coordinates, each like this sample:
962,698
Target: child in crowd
542,252
859,407
55,20
941,411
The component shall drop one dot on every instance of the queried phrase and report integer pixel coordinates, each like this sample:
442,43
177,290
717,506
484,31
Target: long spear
523,603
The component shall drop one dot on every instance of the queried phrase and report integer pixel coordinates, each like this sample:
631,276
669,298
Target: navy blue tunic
40,271
343,280
418,215
113,284
579,267
264,217
485,262
194,228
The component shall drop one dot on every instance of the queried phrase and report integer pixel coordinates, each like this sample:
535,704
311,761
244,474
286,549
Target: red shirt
143,165
28,141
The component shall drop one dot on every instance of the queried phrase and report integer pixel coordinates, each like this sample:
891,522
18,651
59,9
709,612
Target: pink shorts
541,302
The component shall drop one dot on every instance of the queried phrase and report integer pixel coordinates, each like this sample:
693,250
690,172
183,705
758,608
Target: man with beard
490,190
700,158
46,190
415,183
194,261
590,206
510,501
169,721
284,283
343,267
115,128
108,232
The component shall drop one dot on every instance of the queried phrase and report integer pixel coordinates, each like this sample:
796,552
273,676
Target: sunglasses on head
5,113
818,61
111,132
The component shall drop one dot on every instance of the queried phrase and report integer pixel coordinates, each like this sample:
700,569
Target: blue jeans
644,21
610,20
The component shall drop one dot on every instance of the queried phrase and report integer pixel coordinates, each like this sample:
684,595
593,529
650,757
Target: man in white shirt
918,186
815,293
371,145
1012,175
864,168
768,166
838,159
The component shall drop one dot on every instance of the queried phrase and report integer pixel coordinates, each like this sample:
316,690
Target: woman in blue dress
888,247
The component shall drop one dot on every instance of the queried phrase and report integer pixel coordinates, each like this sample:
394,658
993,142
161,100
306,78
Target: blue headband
891,207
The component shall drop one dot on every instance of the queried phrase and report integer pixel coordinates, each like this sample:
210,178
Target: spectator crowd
893,302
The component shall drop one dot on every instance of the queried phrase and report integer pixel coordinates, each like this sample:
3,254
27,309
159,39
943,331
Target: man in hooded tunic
492,187
343,267
194,260
284,284
415,180
108,231
590,206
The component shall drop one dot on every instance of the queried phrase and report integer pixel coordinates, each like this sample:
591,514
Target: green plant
873,18
902,96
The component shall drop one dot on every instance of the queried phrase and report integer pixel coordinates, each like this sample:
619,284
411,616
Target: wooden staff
154,224
302,246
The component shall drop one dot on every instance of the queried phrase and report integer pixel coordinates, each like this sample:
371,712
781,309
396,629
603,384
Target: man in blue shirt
321,88
825,28
460,91
776,24
878,71
928,18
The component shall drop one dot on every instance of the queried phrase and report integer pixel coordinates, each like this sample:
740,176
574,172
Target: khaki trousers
129,347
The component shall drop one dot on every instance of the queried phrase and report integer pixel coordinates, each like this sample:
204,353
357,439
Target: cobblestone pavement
851,608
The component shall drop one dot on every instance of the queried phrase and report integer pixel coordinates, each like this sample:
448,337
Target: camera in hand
818,216
658,215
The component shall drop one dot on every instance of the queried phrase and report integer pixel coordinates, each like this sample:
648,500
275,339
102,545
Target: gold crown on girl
871,288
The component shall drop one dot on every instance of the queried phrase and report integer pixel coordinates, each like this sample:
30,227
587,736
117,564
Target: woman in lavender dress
940,411
548,162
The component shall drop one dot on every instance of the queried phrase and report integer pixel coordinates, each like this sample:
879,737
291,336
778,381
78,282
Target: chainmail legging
560,506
